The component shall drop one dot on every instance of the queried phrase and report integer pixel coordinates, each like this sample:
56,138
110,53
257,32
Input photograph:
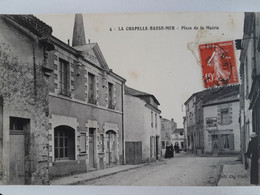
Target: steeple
78,31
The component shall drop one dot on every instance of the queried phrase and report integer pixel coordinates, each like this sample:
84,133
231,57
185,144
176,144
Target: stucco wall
134,119
24,89
212,111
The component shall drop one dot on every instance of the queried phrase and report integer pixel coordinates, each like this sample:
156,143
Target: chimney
78,31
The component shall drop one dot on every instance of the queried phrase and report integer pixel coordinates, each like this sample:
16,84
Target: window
19,124
64,77
155,120
110,96
83,143
224,116
211,122
91,89
151,119
64,143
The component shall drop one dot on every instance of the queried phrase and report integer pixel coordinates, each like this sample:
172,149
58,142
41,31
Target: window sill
65,95
83,154
64,162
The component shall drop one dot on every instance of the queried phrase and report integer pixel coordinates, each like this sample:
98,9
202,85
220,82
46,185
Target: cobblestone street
184,169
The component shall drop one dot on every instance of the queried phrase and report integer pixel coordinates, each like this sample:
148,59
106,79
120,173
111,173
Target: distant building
142,127
205,106
177,136
167,128
221,125
194,122
185,133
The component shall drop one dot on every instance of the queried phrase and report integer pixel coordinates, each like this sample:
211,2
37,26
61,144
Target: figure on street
252,153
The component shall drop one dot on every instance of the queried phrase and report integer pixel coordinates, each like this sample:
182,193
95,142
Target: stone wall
23,87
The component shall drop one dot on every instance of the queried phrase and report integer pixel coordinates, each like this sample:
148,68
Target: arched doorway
111,149
64,143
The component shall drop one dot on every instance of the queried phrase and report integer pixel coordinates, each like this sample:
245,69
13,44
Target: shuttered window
64,77
91,89
83,143
225,120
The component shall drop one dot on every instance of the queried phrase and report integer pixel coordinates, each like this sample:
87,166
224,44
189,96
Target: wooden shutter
83,142
231,142
220,142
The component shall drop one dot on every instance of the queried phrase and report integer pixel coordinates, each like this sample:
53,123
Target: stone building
177,136
24,110
250,83
198,109
221,125
167,128
194,122
185,133
142,127
86,121
61,107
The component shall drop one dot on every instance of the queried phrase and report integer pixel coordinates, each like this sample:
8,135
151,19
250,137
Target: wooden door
91,150
130,153
133,152
111,151
157,147
17,154
138,152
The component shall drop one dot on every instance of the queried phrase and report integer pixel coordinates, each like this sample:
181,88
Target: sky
165,62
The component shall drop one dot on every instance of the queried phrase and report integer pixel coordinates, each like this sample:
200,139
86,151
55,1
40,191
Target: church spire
78,32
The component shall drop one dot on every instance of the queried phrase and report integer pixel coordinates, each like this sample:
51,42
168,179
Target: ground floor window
225,139
64,143
223,142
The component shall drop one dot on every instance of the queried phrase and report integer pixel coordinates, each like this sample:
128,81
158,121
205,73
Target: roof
136,93
213,93
32,23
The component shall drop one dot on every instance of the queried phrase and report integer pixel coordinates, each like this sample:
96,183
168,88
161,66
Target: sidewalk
234,175
88,176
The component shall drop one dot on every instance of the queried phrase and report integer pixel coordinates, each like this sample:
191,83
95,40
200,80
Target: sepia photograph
168,99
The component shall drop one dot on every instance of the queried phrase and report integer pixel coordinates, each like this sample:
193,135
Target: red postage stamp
218,64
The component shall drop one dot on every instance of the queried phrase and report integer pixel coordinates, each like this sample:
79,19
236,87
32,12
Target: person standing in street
252,153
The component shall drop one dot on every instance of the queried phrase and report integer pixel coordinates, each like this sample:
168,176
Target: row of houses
211,123
63,110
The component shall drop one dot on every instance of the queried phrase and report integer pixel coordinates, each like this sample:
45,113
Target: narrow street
182,170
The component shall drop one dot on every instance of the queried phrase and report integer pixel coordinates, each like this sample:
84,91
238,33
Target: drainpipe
123,123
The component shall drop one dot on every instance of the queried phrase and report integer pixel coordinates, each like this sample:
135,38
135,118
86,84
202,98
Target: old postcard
137,99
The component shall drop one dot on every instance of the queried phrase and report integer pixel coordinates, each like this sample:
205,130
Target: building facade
61,107
250,85
221,123
167,128
203,106
177,136
24,78
185,133
142,126
194,122
85,108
